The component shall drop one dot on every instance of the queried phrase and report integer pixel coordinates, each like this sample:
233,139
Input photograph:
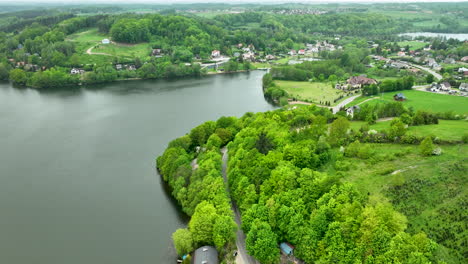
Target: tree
430,78
201,224
3,72
397,128
183,242
18,76
261,243
224,231
338,130
426,147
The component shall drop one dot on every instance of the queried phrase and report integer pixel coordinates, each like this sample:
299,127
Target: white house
215,53
462,69
105,41
75,71
292,52
301,52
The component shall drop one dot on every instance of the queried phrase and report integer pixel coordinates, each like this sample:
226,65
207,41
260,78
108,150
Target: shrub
426,147
465,138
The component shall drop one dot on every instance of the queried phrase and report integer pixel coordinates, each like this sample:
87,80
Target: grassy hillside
431,191
446,129
310,91
420,100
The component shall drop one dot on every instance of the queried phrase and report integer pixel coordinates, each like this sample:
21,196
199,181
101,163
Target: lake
459,36
78,182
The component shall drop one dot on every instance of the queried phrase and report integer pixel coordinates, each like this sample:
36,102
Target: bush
465,138
426,147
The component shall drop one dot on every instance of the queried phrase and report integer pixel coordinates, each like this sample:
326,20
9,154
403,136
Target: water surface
77,177
459,36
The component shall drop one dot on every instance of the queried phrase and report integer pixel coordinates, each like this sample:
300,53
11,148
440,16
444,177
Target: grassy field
430,191
92,39
413,45
425,101
445,130
310,91
141,50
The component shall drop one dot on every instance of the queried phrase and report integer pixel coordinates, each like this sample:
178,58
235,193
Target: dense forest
288,173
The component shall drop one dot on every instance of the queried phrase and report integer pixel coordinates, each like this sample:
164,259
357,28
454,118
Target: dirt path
89,51
242,256
402,170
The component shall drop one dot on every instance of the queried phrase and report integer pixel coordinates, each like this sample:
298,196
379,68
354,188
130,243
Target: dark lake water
78,182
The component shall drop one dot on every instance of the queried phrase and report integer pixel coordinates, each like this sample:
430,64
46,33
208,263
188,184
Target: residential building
205,255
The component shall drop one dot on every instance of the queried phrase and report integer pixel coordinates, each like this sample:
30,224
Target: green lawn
414,45
92,38
445,130
427,101
141,50
310,91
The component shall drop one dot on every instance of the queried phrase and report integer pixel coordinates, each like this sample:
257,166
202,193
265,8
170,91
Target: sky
212,1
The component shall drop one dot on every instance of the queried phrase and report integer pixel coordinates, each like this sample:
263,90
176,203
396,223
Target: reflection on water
78,182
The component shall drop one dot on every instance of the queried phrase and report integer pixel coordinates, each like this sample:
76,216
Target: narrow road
335,108
89,51
346,101
242,256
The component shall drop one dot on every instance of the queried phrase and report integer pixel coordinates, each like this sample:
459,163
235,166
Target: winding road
436,75
89,51
242,256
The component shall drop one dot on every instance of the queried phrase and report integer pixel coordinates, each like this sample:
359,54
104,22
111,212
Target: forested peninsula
336,192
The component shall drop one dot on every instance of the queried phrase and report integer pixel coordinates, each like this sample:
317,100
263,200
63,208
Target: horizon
235,2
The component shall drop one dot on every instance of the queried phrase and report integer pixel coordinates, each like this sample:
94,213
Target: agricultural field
310,91
427,101
430,191
413,45
452,130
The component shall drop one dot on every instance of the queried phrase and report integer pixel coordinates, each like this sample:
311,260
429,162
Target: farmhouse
464,59
359,81
401,53
105,41
301,52
270,57
215,53
353,109
399,97
156,52
292,52
463,87
445,86
250,56
205,255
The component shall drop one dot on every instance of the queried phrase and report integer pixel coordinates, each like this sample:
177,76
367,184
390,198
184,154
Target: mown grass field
445,130
92,39
427,101
310,91
413,45
430,191
141,50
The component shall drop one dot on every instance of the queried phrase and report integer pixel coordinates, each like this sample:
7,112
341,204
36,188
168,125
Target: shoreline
136,79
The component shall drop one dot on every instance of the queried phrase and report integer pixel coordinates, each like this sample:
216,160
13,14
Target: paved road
346,101
242,256
436,75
